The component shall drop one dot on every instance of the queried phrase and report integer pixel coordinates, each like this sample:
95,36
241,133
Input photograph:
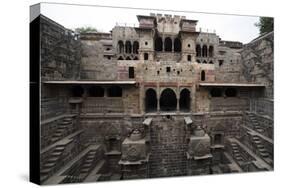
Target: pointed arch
168,100
177,45
136,47
150,100
128,47
168,44
158,44
184,100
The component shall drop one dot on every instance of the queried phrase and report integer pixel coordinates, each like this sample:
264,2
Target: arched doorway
136,47
158,44
168,44
202,75
204,51
185,100
150,100
198,50
128,47
177,45
211,51
168,100
121,46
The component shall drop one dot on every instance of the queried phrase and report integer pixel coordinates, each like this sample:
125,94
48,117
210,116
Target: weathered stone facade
157,100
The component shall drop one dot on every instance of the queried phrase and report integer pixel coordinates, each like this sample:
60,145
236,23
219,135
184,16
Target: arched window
77,91
150,100
211,51
168,100
198,50
204,62
158,46
168,44
136,47
211,62
114,91
198,61
96,91
230,92
145,56
185,100
216,92
202,75
121,46
128,47
204,51
128,58
120,58
177,45
136,58
189,58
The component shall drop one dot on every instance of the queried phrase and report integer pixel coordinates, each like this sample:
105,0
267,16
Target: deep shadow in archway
168,100
150,100
185,100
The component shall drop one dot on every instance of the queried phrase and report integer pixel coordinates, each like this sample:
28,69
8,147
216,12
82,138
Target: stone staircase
88,163
255,123
236,152
62,129
260,146
49,166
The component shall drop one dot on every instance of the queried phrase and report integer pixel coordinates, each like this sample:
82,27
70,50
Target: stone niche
135,155
199,152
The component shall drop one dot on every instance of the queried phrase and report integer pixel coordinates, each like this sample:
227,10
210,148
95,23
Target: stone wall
60,51
168,147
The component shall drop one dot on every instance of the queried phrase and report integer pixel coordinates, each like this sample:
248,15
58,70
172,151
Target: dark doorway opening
136,47
231,92
96,91
168,44
185,100
77,91
168,100
150,100
202,75
177,45
158,44
114,91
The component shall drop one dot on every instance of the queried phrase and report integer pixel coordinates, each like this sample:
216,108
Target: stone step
264,154
85,170
239,158
49,164
89,161
260,146
262,150
54,139
257,142
59,148
46,171
56,153
53,159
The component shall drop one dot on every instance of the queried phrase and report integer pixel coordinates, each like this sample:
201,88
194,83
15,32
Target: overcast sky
228,27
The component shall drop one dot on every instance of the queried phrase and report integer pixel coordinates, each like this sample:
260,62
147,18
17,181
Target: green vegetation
86,29
265,24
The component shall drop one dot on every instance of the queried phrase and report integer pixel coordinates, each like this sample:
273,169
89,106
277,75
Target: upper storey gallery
167,38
